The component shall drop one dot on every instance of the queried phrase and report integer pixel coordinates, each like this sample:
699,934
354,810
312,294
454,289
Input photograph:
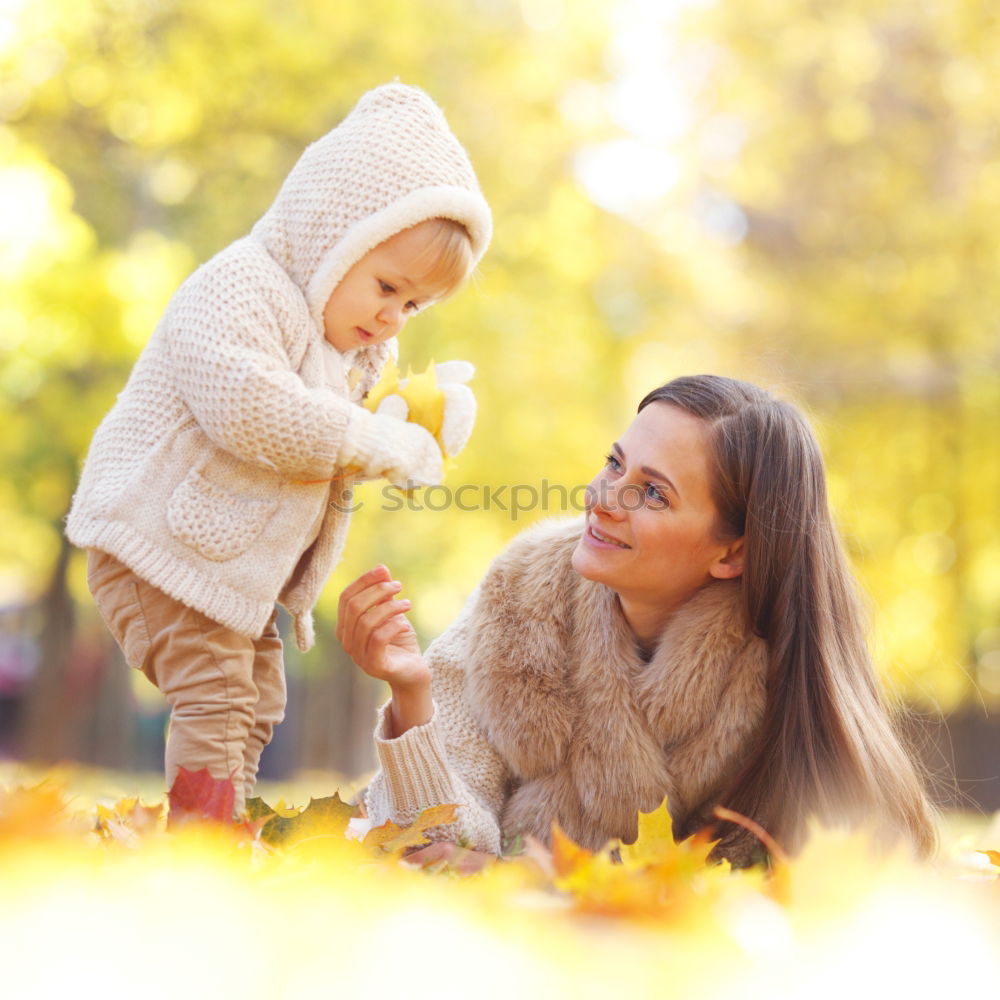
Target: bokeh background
806,195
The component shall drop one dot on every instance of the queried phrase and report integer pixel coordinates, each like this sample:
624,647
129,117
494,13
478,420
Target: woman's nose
603,499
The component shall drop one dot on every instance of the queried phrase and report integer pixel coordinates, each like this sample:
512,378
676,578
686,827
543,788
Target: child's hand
436,399
380,445
459,405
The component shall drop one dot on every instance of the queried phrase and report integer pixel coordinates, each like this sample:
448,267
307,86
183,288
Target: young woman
697,637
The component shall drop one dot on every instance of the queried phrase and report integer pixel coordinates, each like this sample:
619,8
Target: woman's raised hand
373,629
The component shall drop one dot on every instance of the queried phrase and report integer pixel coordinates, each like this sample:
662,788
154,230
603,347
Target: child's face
381,291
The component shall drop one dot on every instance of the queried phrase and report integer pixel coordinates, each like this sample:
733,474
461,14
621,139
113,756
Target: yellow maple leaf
115,812
655,877
425,400
393,839
127,819
288,826
286,812
655,840
387,384
421,392
31,812
568,857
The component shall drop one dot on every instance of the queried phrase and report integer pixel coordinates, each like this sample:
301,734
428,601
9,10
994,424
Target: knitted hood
390,164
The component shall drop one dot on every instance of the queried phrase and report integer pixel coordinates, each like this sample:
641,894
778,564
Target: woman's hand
374,631
450,857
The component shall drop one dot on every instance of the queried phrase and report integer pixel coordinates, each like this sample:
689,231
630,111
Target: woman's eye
656,497
611,461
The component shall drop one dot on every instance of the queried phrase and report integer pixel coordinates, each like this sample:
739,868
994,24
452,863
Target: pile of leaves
290,900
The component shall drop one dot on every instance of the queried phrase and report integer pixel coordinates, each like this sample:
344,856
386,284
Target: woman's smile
603,540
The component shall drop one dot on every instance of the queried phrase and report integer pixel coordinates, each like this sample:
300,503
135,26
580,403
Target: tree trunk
48,721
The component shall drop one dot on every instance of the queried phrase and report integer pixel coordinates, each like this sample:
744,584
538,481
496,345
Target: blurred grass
960,831
215,916
86,787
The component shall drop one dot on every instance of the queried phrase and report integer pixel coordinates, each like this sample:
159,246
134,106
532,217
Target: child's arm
231,366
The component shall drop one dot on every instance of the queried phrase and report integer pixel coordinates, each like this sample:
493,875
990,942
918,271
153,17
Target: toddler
219,483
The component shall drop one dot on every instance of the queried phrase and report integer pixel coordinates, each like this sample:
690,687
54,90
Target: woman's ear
729,564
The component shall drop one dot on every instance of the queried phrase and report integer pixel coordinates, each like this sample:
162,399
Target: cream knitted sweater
448,760
207,477
544,709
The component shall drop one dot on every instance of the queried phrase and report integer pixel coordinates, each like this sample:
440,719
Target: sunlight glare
10,10
31,219
627,176
652,99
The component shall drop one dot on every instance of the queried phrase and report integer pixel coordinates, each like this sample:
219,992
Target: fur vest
590,731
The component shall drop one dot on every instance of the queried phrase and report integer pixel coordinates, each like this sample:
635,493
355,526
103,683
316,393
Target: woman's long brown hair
827,747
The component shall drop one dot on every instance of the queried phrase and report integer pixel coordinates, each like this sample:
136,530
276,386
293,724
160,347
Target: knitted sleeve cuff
414,766
381,445
359,439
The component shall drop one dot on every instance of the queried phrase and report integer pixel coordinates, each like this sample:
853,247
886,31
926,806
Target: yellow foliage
424,400
653,878
32,812
387,384
394,840
825,222
566,922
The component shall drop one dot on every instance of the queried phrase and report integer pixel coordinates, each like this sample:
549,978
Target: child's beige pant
226,691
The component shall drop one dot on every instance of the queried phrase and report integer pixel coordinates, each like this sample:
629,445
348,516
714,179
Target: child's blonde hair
448,256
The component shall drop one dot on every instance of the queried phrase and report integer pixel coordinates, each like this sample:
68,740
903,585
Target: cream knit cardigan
206,477
544,710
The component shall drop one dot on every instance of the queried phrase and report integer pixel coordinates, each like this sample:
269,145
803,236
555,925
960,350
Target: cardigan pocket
214,516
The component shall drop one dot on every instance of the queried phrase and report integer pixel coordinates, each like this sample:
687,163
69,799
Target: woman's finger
352,598
380,626
368,610
377,574
352,610
439,851
450,856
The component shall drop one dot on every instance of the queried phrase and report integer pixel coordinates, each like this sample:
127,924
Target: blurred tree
840,166
143,136
869,180
802,195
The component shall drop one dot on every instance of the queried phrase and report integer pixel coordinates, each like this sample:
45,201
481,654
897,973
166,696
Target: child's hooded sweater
210,474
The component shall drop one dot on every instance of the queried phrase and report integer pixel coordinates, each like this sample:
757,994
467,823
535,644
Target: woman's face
650,529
